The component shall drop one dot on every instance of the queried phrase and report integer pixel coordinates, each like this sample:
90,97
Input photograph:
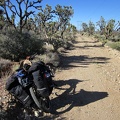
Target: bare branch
1,11
18,11
26,16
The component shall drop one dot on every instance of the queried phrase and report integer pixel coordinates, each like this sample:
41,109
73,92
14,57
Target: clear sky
86,10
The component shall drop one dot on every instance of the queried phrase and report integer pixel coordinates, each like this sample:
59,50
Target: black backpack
20,93
44,86
11,82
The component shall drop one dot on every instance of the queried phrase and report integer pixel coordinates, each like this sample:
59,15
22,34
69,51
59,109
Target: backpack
11,82
44,86
21,94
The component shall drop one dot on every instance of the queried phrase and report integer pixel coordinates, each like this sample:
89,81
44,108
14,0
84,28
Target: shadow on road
71,98
82,61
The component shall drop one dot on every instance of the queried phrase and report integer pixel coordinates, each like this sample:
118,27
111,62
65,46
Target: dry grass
5,67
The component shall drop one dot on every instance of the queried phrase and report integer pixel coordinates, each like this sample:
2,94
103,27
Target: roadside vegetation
26,28
108,32
46,31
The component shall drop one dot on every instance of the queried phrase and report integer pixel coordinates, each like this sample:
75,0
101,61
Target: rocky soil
88,86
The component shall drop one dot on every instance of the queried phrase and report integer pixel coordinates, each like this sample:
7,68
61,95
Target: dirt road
89,83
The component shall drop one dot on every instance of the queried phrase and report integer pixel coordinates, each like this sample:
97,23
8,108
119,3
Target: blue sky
86,10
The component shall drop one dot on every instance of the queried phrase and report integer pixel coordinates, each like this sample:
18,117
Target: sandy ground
89,83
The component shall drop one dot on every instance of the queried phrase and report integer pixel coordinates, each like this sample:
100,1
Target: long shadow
82,61
72,99
90,46
68,97
85,60
88,41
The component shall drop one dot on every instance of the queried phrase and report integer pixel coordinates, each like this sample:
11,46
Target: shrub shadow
82,61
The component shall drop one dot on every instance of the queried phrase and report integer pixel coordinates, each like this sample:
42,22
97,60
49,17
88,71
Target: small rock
36,113
119,82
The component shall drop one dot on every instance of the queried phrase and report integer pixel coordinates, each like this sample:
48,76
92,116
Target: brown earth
88,84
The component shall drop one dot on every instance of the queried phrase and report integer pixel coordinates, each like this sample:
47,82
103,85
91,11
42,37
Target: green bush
99,37
57,43
49,57
16,45
114,45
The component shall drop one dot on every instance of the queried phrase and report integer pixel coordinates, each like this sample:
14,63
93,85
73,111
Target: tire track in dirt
89,82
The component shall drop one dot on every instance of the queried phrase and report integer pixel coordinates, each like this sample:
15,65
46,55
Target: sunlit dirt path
89,83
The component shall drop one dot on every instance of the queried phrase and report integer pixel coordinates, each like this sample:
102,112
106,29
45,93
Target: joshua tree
1,11
2,20
109,28
19,10
102,24
64,13
85,27
45,16
91,28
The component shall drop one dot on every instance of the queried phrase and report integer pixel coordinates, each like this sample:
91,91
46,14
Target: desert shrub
68,44
99,37
57,43
70,36
2,37
115,38
49,57
53,58
5,67
16,45
114,45
48,47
